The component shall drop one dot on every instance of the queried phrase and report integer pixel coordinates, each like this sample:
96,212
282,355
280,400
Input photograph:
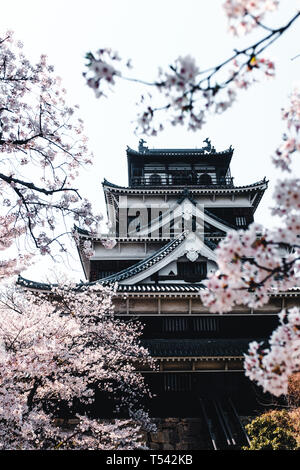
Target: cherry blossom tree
57,352
42,149
255,262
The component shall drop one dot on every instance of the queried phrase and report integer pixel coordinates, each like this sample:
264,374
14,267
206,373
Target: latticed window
206,324
192,272
240,221
177,382
175,324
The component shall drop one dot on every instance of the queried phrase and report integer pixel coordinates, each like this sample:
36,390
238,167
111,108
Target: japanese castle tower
178,205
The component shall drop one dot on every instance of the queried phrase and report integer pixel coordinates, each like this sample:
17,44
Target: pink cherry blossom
244,15
290,145
272,367
43,147
57,352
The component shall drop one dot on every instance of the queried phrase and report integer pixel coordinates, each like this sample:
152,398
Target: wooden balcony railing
203,180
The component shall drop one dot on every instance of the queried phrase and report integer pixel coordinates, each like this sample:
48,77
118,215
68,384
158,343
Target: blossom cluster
242,79
9,234
251,264
287,196
244,15
189,96
290,142
103,68
272,367
58,353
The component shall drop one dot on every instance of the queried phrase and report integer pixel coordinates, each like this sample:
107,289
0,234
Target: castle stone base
178,434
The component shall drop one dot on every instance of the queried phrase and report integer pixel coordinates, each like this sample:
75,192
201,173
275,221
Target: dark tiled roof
21,281
197,347
173,288
208,150
193,189
122,288
140,288
82,231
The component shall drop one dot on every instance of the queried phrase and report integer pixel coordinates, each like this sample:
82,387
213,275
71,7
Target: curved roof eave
182,152
262,184
149,288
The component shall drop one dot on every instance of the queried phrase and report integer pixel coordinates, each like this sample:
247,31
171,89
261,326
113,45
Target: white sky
154,34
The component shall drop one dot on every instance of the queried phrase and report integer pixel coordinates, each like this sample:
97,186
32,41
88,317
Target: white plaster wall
216,200
124,250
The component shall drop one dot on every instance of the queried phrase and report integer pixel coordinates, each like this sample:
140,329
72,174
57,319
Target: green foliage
272,431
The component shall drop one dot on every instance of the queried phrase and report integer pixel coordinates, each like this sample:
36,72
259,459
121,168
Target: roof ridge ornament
142,148
191,252
208,147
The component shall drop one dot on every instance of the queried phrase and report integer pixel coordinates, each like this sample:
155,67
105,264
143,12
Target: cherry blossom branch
10,179
190,92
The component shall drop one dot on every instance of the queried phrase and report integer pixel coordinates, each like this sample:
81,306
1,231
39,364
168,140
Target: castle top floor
202,167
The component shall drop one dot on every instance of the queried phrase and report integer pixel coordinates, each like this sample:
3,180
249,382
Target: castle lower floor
203,410
179,394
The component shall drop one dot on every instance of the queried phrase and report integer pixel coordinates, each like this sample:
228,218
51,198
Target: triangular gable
190,245
184,209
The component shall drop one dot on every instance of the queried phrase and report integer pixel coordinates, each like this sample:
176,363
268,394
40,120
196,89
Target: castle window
178,178
177,382
192,272
205,179
240,221
171,325
155,179
206,324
